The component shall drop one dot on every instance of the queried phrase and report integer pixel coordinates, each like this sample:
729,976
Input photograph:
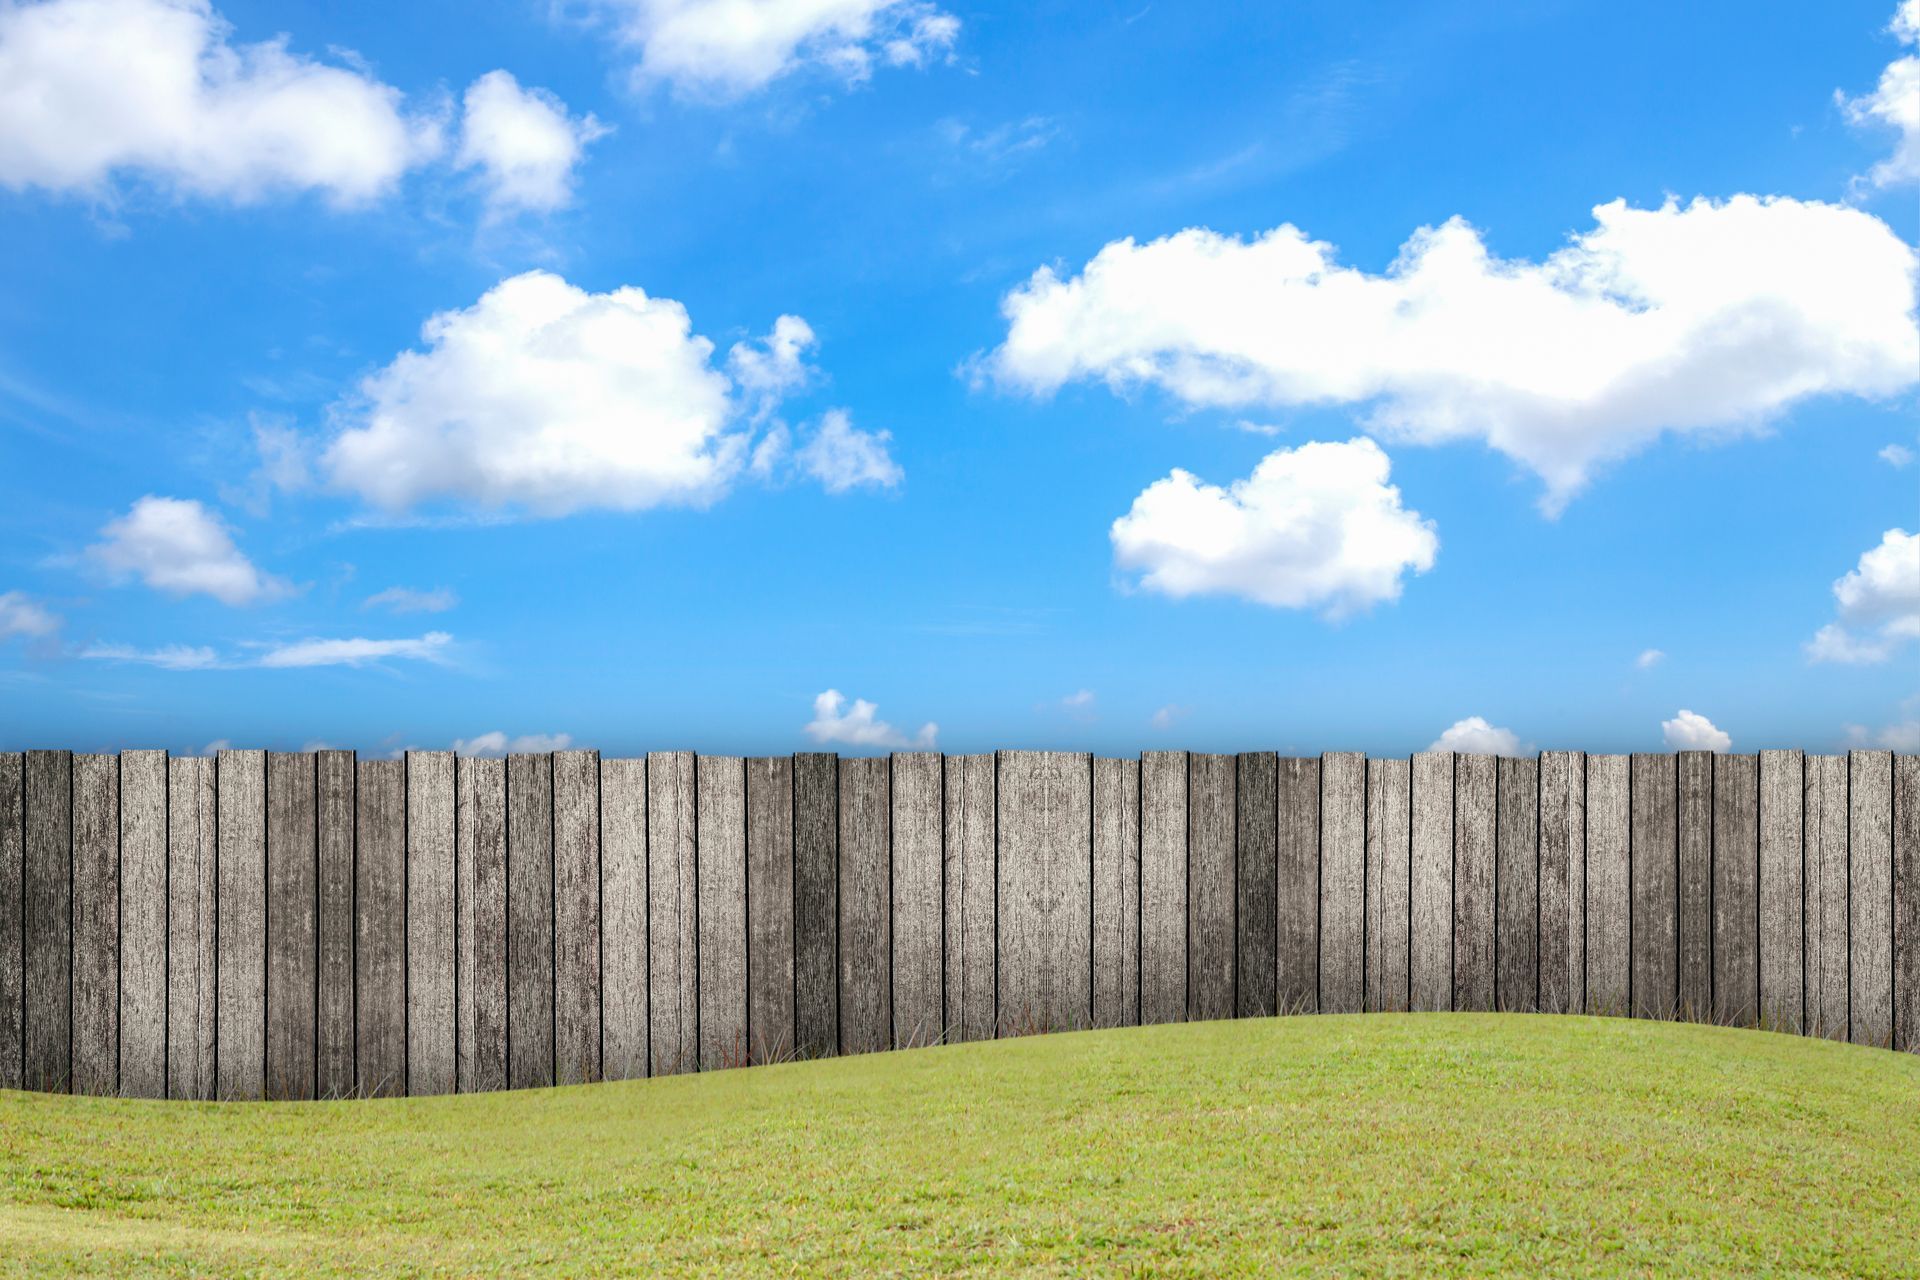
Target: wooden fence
315,925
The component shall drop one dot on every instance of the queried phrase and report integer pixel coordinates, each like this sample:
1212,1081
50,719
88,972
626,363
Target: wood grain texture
96,924
1694,837
48,925
721,868
816,904
480,929
1389,883
673,993
623,918
143,924
1563,889
13,916
240,1026
1046,891
1163,886
1736,884
530,939
1256,860
380,928
1116,893
192,822
293,925
576,916
1343,881
1430,928
1297,891
333,1032
1906,902
432,1026
1870,897
1475,797
1516,887
918,998
770,909
1782,890
866,916
1609,887
1211,886
1826,854
970,897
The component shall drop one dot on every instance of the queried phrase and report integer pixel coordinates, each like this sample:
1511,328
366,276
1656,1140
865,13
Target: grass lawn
1384,1145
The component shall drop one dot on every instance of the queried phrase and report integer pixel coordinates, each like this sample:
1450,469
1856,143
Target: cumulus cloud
1896,456
1690,731
170,657
1317,527
1894,104
1475,737
23,617
356,652
775,365
523,144
861,726
408,600
177,546
1650,658
1708,316
843,457
1878,603
498,744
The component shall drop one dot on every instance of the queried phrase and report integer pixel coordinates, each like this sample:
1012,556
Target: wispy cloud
408,600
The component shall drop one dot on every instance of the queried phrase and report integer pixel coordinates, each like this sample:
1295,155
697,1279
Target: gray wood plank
1343,882
673,995
1826,853
866,938
240,985
1116,893
770,908
143,924
293,926
1870,897
1906,902
96,924
1163,886
1389,875
1694,824
1255,834
576,916
192,821
380,928
1609,887
816,904
432,1027
623,918
333,1031
480,899
1475,792
1297,891
13,916
721,867
1516,886
1563,889
48,1064
530,938
1211,887
1736,884
1430,926
970,875
919,1001
1782,891
1046,891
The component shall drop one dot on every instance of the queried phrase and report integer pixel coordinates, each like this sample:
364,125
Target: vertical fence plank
1870,899
1116,893
143,924
380,928
1563,888
333,1034
1210,886
1736,884
576,917
919,1011
1163,886
1256,857
49,921
1693,821
866,942
1609,887
191,951
970,896
13,915
240,1030
1046,891
673,995
770,909
430,945
1297,888
816,904
530,938
1906,902
1389,883
1782,891
1343,881
480,929
1516,886
1430,926
623,918
96,924
1826,854
720,861
292,925
1475,779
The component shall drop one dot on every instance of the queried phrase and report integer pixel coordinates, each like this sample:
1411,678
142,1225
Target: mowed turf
1388,1145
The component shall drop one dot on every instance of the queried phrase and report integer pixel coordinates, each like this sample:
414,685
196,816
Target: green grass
1386,1145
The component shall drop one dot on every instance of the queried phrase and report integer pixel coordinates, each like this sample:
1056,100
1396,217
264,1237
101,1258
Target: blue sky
270,350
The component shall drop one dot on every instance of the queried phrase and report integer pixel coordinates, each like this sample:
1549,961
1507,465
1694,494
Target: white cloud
1081,700
1878,604
843,457
1312,527
1709,316
1903,736
1650,658
860,726
524,144
177,546
356,652
171,657
498,744
1894,104
1690,731
1896,455
22,616
775,365
1168,716
408,600
94,89
1474,736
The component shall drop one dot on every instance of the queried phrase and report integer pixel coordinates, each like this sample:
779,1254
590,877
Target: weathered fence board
1389,882
1656,886
1297,891
1609,887
1906,902
431,1024
292,923
576,916
919,1001
49,921
1736,883
530,923
1782,891
971,932
380,929
1163,886
1563,881
1116,893
143,924
720,862
816,905
1516,887
191,916
1256,855
866,918
1046,891
480,930
623,918
1475,794
673,996
770,995
1343,881
1211,888
1431,924
240,1031
1694,823
1826,853
333,1027
13,939
1870,897
96,924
